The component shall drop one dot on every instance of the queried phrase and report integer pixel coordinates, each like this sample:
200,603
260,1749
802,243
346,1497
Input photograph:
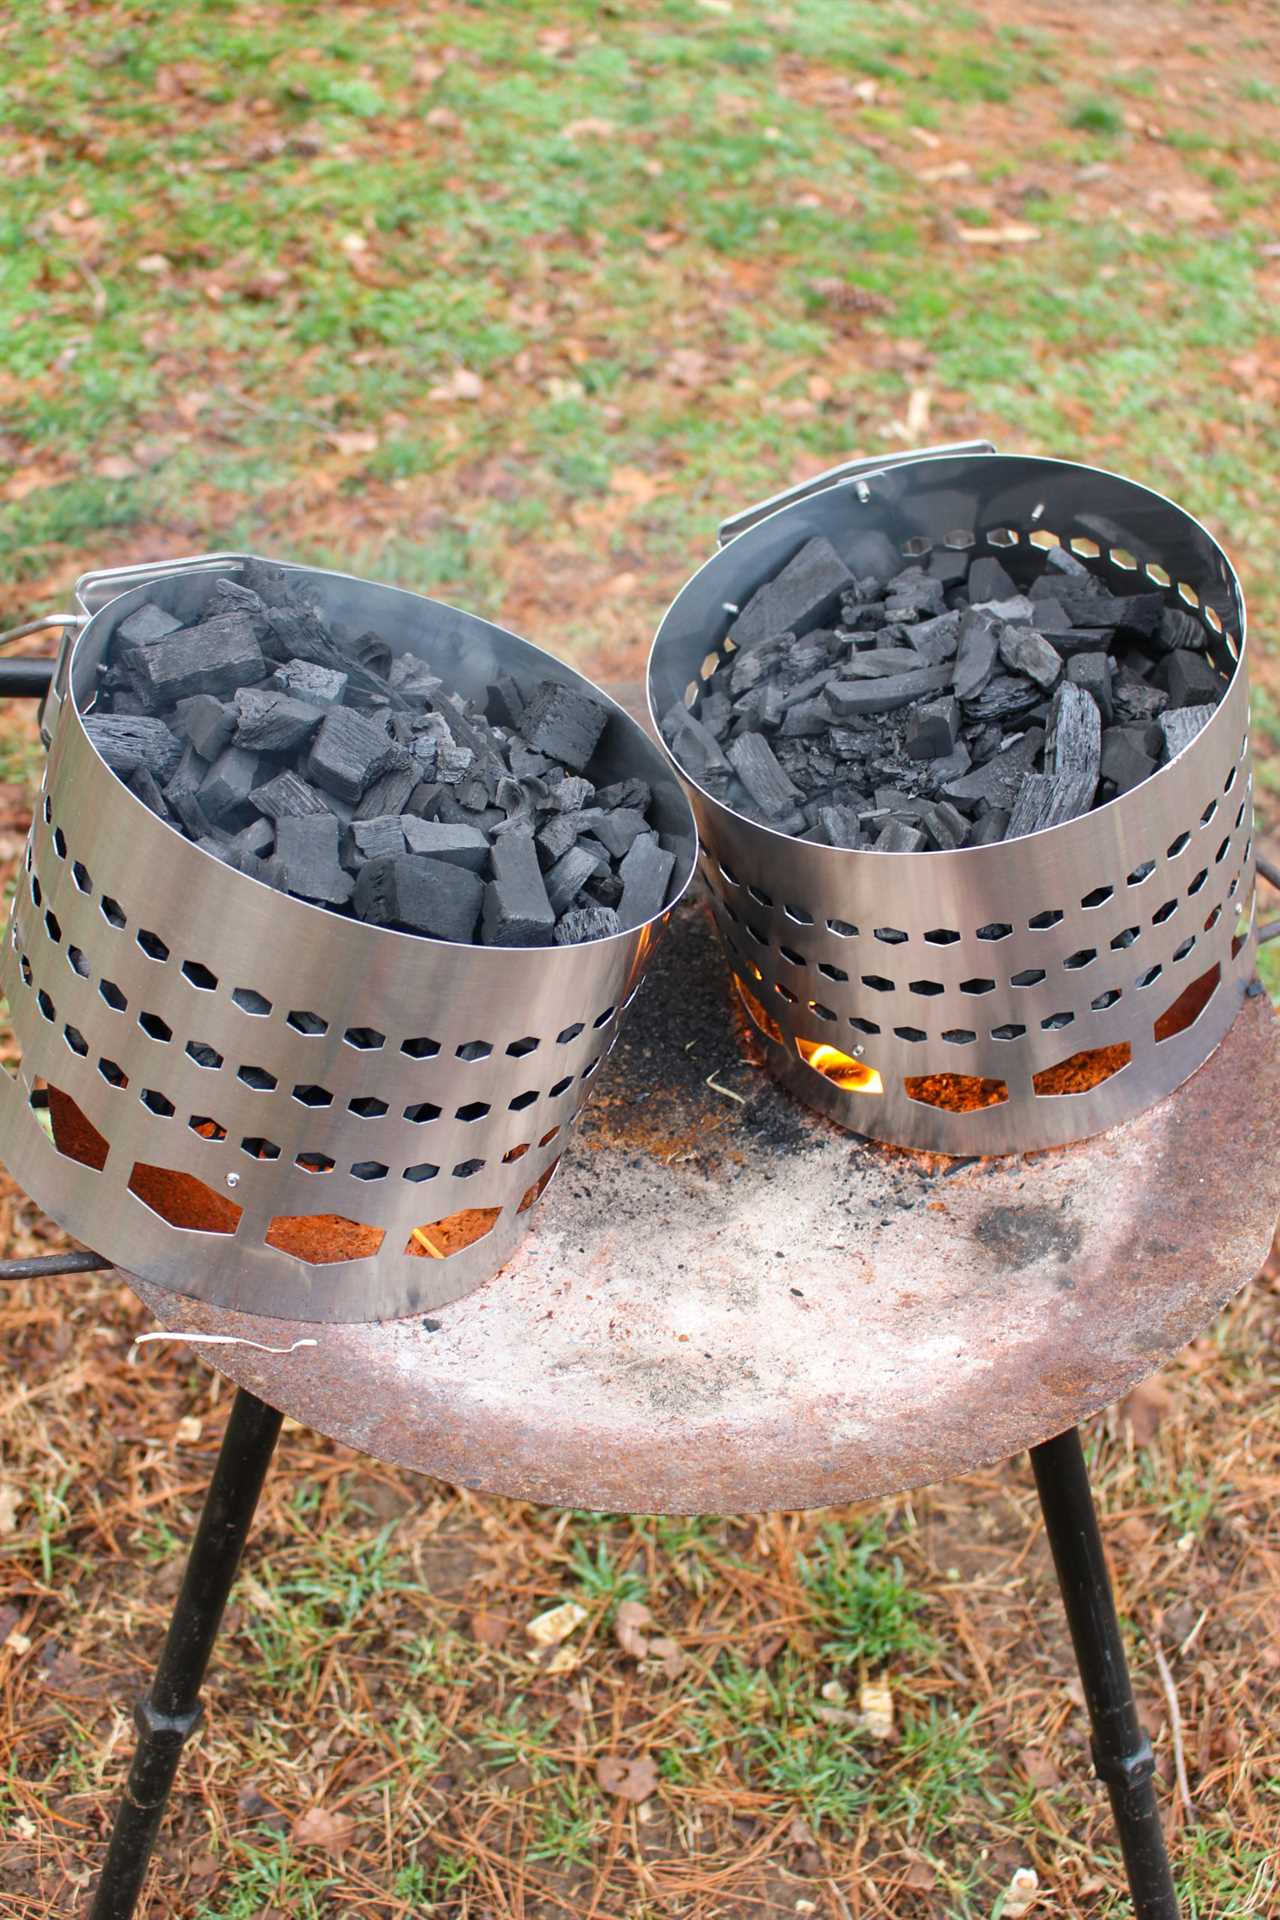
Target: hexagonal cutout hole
322,1238
956,1092
841,1069
441,1239
365,1039
759,1018
199,975
1083,1071
312,1024
183,1201
539,1187
70,1129
1189,1005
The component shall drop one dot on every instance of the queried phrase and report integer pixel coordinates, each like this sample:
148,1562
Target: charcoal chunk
226,793
756,766
304,680
996,783
645,873
1047,799
896,836
1092,671
207,723
389,793
976,649
142,784
349,753
371,839
795,600
287,796
307,854
989,581
1190,679
693,744
932,730
936,640
619,829
1178,629
1125,761
1073,737
989,828
568,877
1005,697
517,912
415,895
586,923
268,721
146,623
849,698
877,664
217,656
1135,699
1025,651
127,743
1180,726
458,846
565,723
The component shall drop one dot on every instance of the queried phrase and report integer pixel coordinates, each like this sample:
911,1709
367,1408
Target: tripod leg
1122,1754
170,1710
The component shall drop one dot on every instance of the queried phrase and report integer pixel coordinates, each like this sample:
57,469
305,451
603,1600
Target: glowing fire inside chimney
840,1068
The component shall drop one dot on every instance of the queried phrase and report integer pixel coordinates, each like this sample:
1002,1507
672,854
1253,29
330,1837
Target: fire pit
245,1094
1007,992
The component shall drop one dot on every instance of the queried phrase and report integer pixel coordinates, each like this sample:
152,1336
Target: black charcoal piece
142,784
995,783
914,595
1092,671
389,793
945,825
1062,560
1070,641
976,650
1125,762
1073,736
419,896
559,831
304,680
1136,699
1006,696
411,676
1181,725
256,840
809,719
989,828
932,730
1136,614
458,846
372,839
517,912
619,830
217,656
146,623
568,877
127,743
854,698
693,744
644,873
349,753
877,663
1046,800
307,855
1018,612
896,837
586,923
1025,651
936,640
226,793
287,796
1178,629
989,581
1190,679
207,723
268,721
754,763
565,723
795,600
950,565
571,793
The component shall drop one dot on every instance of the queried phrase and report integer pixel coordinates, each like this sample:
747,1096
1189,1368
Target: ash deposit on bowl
337,769
940,706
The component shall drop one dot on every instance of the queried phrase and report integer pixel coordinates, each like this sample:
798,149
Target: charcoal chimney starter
992,998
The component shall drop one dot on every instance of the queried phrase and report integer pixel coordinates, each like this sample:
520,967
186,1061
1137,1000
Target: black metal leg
1122,1753
170,1710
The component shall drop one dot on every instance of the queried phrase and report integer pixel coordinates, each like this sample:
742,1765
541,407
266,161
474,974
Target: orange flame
840,1068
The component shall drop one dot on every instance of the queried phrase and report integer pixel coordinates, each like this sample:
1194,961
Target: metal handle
847,470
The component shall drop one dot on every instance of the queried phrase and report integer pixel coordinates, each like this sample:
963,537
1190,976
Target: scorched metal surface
729,1303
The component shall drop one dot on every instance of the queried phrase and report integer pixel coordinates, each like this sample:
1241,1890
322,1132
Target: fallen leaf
188,1430
633,1779
445,118
316,1828
361,440
1021,1894
631,1617
875,1704
577,129
668,1654
461,384
10,1502
556,1624
1015,233
918,405
1144,1408
116,466
1040,1769
688,367
633,483
948,170
563,1660
490,1629
154,263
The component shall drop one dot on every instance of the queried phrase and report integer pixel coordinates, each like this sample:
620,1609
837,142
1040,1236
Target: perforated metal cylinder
264,1104
1008,997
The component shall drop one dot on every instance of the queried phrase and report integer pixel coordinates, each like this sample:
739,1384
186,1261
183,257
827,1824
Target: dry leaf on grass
556,1624
1014,233
633,1779
875,1704
1021,1894
1144,1409
490,1629
461,384
10,1501
316,1828
632,1616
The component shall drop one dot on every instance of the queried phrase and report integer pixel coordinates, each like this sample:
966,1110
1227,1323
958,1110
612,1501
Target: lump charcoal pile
348,775
941,705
